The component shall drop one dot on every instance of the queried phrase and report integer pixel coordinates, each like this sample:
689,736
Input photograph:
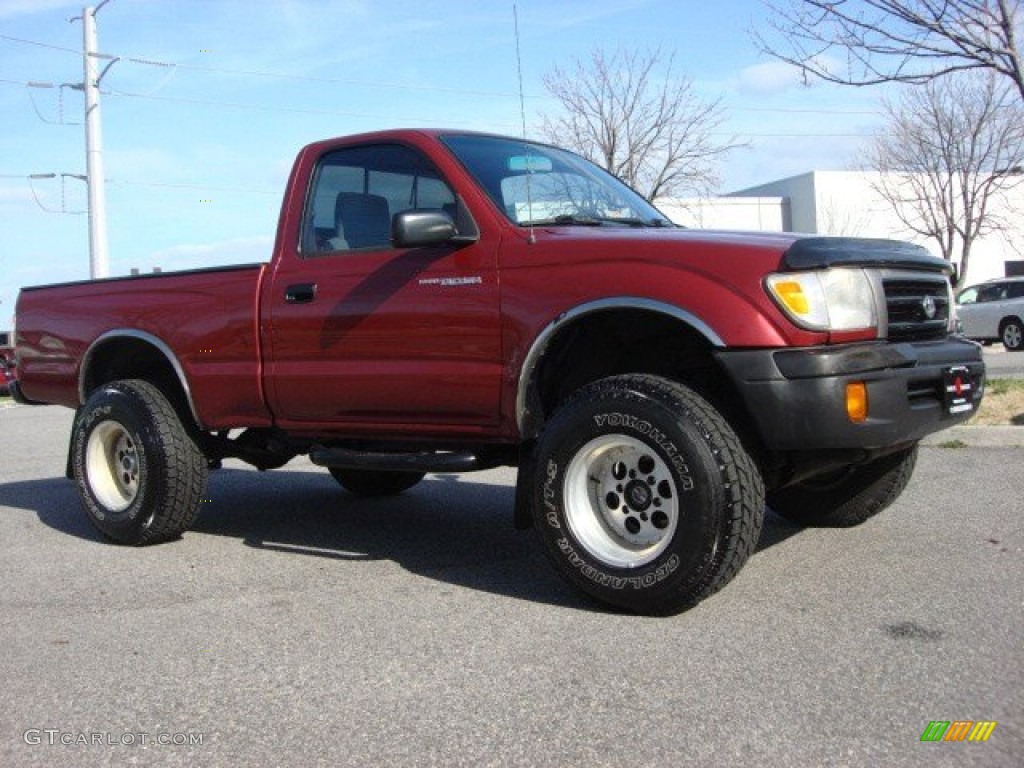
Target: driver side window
357,191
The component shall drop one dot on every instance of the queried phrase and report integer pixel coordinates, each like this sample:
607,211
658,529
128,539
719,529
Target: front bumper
797,397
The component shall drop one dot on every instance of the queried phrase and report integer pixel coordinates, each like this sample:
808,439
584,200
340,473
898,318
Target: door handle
300,293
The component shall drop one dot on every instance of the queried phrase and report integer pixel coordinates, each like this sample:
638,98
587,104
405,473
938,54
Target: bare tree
630,113
949,150
867,42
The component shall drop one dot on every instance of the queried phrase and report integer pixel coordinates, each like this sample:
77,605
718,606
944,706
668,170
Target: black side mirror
416,229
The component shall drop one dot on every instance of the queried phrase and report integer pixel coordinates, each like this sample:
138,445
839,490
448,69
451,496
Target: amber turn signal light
857,402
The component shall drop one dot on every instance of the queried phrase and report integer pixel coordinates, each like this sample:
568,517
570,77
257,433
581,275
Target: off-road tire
138,470
643,495
371,482
847,498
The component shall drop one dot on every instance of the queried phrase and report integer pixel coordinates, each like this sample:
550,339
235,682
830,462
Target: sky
212,99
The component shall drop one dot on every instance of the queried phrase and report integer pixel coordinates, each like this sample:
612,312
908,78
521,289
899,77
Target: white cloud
769,77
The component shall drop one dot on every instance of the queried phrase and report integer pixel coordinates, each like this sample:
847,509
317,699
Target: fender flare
148,338
524,416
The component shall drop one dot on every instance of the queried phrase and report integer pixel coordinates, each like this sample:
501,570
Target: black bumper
797,397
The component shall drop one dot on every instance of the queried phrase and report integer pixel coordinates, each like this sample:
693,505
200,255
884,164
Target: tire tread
743,513
176,469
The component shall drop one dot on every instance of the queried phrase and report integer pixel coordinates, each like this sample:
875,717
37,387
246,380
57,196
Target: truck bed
208,317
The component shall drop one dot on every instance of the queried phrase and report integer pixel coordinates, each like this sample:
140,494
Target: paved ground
1001,364
297,626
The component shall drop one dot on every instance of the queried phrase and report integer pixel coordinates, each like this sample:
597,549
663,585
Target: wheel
643,496
372,482
848,497
139,472
1011,333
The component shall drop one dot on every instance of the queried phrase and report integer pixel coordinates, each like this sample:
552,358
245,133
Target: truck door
363,333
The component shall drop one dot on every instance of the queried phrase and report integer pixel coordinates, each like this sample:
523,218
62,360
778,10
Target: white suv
994,311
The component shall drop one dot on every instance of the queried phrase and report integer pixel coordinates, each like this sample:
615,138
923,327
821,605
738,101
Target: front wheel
848,497
644,497
1012,334
139,473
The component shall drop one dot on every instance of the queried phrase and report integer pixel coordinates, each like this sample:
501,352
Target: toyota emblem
928,305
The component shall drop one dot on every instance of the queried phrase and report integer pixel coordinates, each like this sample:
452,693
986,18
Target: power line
269,108
339,113
189,185
193,186
393,118
325,80
263,73
77,52
379,84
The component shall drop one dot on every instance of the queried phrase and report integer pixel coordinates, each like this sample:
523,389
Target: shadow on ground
447,528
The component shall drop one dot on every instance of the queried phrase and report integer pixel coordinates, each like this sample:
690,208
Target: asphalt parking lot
296,625
1002,364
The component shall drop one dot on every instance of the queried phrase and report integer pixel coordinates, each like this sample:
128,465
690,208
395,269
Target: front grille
918,310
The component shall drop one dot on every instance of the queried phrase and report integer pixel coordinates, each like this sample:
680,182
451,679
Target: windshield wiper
564,219
656,223
597,221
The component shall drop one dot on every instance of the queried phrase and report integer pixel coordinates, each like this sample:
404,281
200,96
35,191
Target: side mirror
416,229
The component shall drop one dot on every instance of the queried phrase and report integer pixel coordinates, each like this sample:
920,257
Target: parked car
994,311
6,371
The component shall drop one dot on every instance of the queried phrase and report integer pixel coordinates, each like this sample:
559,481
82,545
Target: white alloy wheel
112,466
621,501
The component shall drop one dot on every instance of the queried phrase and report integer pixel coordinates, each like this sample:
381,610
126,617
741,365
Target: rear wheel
371,482
644,497
1011,333
848,497
139,473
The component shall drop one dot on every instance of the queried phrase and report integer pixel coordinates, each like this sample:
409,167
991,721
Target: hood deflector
824,252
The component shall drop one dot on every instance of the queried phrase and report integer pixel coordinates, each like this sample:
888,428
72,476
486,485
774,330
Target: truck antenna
531,239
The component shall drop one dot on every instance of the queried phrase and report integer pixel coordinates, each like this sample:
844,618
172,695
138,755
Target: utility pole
99,260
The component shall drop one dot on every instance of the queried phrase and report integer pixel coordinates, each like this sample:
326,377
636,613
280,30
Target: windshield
538,184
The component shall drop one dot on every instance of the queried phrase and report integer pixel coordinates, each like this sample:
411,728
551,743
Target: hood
791,251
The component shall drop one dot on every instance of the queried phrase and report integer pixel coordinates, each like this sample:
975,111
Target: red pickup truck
442,301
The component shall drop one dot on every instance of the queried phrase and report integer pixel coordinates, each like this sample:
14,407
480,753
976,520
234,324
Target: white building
846,203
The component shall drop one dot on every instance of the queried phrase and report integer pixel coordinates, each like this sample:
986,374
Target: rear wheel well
127,357
620,341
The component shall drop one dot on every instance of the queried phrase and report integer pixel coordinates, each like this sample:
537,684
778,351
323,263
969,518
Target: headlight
825,300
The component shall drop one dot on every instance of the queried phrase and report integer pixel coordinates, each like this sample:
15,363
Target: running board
432,461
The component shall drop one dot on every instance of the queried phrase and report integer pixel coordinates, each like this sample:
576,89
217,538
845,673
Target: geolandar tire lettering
138,471
646,499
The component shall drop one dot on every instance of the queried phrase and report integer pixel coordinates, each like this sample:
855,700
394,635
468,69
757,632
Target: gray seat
364,221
